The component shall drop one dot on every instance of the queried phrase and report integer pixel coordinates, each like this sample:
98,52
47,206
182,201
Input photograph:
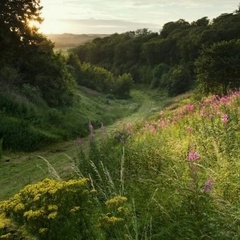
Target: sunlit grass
177,168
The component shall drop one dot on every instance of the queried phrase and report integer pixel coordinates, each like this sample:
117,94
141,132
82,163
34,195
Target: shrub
218,67
61,210
20,135
53,210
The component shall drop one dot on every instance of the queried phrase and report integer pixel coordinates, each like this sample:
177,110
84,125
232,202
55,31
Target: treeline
99,78
165,60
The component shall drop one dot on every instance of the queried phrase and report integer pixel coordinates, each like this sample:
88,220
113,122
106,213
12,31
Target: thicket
100,79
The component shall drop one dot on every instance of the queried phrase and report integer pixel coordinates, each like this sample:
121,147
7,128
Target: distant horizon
76,34
109,17
90,33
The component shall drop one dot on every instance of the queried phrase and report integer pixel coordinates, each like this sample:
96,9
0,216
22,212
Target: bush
218,68
177,80
19,135
62,210
53,210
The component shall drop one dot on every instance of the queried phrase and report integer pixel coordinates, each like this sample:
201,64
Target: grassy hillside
168,171
90,107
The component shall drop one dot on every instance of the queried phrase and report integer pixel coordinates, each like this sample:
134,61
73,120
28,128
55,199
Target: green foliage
99,78
19,135
170,27
33,94
1,147
24,111
8,76
15,34
218,67
27,57
40,210
123,85
180,170
178,44
50,75
157,73
177,80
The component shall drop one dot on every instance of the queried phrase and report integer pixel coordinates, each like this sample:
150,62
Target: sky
118,16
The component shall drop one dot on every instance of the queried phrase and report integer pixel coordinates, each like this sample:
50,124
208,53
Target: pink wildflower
79,142
190,107
225,119
208,185
153,129
192,156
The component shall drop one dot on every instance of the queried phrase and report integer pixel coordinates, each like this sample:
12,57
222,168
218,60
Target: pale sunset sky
111,16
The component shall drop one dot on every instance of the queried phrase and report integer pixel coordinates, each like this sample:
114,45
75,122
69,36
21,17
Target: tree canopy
15,31
178,45
29,54
218,67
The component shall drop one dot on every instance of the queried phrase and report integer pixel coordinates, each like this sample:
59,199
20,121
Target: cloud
106,26
121,15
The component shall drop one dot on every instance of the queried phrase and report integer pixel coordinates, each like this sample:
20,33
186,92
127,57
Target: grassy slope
64,42
20,169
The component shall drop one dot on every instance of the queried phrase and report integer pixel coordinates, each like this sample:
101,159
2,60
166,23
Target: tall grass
175,176
179,171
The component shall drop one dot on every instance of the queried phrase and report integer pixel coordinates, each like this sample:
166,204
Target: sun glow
33,24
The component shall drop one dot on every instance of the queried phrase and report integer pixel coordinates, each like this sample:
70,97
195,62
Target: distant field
67,40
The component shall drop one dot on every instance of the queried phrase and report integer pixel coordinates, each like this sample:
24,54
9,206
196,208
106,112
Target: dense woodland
168,60
37,84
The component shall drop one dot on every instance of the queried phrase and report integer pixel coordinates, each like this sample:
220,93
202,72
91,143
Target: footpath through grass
20,169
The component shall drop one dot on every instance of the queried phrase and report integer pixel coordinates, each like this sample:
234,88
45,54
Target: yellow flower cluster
52,215
111,220
42,230
2,221
39,206
52,207
116,201
33,214
75,209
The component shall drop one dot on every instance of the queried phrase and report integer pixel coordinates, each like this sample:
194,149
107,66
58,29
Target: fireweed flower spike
79,142
208,185
192,156
225,119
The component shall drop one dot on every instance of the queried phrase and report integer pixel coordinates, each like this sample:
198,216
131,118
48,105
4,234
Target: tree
29,54
15,30
123,85
170,27
177,80
218,67
157,73
202,22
